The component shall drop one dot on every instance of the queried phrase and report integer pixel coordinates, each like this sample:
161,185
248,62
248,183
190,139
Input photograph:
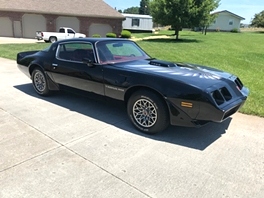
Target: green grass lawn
237,53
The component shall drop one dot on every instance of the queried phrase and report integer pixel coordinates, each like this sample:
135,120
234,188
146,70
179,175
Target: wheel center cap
145,112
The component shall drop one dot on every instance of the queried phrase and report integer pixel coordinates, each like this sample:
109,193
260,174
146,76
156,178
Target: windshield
119,51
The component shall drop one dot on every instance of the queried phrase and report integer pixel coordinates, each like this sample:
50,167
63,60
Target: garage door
101,29
32,23
6,27
71,22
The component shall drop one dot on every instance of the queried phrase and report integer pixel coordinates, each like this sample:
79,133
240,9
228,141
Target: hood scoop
162,63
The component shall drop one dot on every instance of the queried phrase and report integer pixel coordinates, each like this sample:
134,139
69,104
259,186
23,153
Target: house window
135,22
231,22
214,22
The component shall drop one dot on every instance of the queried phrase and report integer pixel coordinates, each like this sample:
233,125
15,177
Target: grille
225,93
219,99
222,95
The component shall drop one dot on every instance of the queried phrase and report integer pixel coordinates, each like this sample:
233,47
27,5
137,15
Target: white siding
222,22
145,22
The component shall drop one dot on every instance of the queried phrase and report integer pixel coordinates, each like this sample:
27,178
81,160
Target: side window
75,51
231,22
70,31
62,30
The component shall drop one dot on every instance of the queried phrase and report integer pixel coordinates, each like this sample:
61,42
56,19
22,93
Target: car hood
196,75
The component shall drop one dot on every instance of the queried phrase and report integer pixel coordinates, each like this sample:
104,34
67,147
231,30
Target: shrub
125,34
111,35
217,30
235,30
96,35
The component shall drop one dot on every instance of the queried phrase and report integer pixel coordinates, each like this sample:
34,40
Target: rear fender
51,84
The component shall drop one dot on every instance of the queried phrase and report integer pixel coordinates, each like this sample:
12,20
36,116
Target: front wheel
39,81
148,112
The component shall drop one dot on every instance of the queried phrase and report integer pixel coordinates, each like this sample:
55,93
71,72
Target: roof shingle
88,8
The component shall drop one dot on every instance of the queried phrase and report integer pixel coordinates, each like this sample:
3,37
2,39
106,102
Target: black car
157,93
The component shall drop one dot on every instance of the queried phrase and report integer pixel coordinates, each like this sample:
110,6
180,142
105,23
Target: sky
244,8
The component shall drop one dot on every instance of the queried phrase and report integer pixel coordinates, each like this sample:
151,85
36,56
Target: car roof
92,39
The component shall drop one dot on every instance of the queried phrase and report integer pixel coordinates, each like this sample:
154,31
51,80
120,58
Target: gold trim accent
187,104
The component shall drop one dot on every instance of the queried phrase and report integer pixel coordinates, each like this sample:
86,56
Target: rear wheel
39,81
148,112
53,39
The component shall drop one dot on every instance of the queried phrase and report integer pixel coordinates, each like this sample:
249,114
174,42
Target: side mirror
88,62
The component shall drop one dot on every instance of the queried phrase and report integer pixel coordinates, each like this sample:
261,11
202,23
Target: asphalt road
72,146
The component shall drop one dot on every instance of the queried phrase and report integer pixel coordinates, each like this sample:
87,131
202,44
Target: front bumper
202,112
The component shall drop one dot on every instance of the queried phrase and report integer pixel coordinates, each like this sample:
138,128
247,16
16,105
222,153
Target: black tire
148,112
53,39
39,82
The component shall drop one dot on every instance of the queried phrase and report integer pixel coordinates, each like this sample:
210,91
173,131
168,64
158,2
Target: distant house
20,18
138,23
225,21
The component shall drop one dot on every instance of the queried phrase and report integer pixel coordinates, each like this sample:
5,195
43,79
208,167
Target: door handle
54,65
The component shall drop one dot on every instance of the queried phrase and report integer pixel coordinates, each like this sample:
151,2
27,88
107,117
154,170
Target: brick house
19,18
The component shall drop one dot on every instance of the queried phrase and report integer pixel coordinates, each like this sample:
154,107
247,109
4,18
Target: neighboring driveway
71,146
6,40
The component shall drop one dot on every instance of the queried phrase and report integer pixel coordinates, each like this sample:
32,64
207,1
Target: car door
70,69
70,33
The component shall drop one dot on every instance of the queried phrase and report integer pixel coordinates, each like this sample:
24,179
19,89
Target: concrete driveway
6,40
71,146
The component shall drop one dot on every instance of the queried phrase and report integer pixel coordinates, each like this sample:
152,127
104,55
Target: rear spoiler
24,54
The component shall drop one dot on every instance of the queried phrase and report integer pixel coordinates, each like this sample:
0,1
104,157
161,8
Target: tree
132,10
258,20
144,7
182,13
206,21
120,11
171,12
201,16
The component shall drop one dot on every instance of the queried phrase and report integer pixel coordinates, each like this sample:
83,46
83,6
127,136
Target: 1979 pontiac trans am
157,93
